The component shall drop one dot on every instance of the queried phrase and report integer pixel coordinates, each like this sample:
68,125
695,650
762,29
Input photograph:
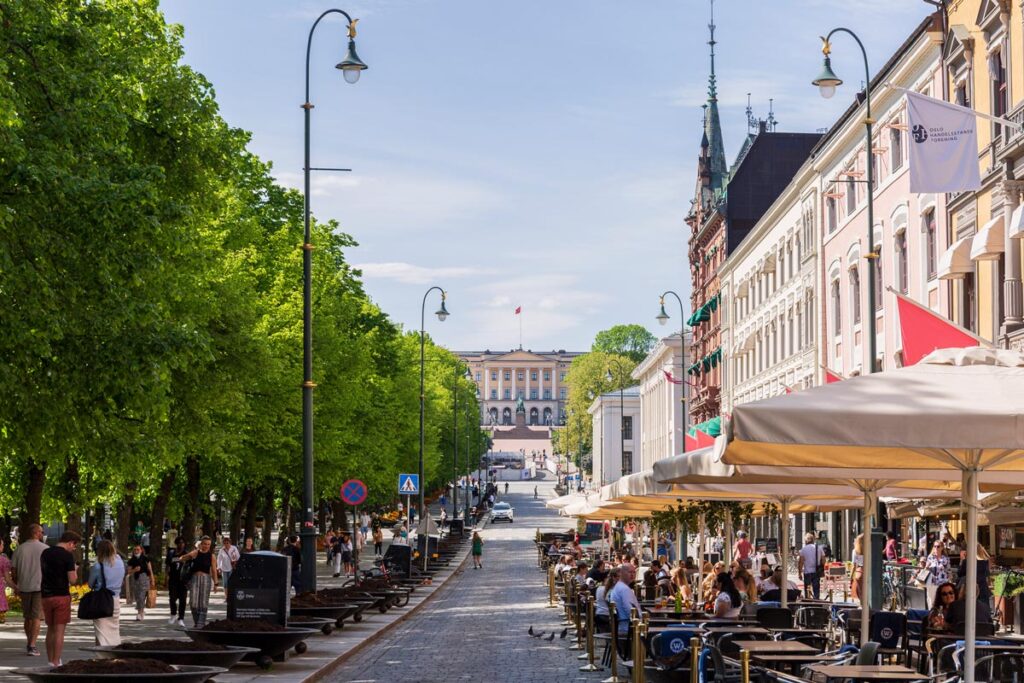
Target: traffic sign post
353,492
409,484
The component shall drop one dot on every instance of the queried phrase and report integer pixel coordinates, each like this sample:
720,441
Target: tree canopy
632,341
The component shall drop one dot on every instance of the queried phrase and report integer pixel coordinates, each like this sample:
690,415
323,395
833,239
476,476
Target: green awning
712,427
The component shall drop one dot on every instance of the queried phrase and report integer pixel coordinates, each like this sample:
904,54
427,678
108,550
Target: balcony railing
1010,135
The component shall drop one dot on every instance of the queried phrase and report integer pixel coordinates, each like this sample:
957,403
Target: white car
502,512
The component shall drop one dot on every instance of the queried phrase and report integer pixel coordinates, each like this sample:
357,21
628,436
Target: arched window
855,294
506,416
533,416
547,416
901,261
837,310
493,416
930,245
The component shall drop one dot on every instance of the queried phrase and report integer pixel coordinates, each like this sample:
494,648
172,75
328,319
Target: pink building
909,235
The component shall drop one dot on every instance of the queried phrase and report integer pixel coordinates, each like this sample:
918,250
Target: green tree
632,341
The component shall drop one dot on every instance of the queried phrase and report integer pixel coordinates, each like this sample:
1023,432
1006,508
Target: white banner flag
943,146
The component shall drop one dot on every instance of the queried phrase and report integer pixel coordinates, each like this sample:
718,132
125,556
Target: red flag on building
704,439
519,309
670,378
831,377
923,330
690,443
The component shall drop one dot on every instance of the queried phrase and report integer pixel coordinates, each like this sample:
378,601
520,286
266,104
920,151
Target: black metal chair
814,616
726,643
774,617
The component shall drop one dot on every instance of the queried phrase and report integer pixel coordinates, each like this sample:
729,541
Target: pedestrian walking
506,487
5,581
28,579
478,551
346,554
177,582
203,579
364,526
227,558
108,573
59,572
811,563
378,542
249,546
140,568
444,517
535,493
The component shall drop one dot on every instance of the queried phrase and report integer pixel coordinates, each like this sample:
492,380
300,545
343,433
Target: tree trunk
286,520
235,528
321,518
192,511
72,496
33,494
268,519
124,518
209,524
156,525
250,516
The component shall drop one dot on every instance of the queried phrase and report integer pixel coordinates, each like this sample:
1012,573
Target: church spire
712,123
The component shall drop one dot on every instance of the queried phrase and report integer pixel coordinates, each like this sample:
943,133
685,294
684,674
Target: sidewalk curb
340,660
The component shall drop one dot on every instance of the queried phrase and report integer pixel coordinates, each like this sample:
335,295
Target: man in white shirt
28,576
811,561
227,558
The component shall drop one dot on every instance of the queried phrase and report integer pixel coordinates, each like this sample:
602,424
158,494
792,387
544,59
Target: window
520,375
998,74
627,427
879,286
494,375
830,213
547,375
627,462
928,226
533,375
967,296
547,394
561,377
961,95
874,170
562,393
851,192
508,394
895,149
855,294
901,261
478,377
508,375
520,394
837,312
494,394
533,394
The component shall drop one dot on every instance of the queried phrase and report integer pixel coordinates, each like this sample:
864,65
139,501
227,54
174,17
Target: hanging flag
789,389
923,330
943,146
703,439
519,309
691,443
832,377
670,378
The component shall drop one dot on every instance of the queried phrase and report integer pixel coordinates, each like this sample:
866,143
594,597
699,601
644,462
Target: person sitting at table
728,600
681,580
776,583
956,615
650,578
565,563
624,598
601,616
577,549
710,576
664,579
744,581
945,595
599,572
553,548
579,578
764,572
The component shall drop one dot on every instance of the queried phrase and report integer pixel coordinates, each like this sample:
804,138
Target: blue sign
408,484
353,492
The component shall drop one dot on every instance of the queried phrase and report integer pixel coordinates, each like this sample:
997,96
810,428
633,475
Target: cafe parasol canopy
957,413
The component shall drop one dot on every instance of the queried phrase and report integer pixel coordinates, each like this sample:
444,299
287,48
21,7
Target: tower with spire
712,170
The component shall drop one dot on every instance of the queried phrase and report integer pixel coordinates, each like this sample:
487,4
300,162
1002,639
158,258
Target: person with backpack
108,573
812,564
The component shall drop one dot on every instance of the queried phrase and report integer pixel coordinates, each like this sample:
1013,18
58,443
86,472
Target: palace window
627,427
520,375
830,213
508,394
547,375
494,375
561,377
478,377
851,192
533,376
547,394
494,394
533,394
855,294
508,375
561,393
879,285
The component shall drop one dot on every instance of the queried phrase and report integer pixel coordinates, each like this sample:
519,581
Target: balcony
1010,137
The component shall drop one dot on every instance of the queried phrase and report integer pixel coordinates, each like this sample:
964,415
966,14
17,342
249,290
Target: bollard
614,619
551,587
578,645
567,585
635,648
583,602
744,667
641,652
590,666
694,660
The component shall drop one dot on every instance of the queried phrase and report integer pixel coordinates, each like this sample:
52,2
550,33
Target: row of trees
151,299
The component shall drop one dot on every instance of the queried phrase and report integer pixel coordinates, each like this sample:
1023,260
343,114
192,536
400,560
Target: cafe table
793,647
777,661
871,672
739,630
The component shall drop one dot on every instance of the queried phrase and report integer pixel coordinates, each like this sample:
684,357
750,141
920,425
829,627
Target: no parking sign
353,492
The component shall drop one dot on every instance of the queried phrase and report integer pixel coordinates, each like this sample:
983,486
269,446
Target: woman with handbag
107,574
141,570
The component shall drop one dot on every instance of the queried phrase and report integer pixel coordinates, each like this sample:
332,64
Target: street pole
351,66
442,315
455,445
662,319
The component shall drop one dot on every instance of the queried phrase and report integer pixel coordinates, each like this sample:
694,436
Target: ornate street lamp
442,315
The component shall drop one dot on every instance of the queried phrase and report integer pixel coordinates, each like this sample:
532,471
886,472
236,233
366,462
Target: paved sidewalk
323,650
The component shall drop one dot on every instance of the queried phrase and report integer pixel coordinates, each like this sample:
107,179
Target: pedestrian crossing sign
408,484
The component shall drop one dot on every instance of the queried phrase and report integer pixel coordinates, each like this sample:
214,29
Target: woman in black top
204,579
141,570
177,584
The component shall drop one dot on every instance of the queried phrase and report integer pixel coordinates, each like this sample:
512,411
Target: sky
538,153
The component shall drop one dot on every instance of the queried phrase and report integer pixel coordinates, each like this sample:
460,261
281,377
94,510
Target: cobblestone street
475,627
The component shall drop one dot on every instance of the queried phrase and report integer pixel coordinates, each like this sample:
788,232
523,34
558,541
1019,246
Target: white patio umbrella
702,470
958,411
562,501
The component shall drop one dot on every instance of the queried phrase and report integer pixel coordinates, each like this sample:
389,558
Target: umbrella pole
728,538
970,493
679,543
784,519
700,559
865,572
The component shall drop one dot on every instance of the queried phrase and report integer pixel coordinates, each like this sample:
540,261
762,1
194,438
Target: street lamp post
469,470
622,413
351,66
827,83
662,319
442,315
455,442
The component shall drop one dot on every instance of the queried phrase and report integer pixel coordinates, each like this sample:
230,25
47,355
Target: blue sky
539,153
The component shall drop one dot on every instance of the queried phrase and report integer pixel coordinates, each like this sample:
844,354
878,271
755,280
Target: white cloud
416,275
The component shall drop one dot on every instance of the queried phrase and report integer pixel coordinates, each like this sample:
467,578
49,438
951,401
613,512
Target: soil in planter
315,600
305,619
168,645
243,626
115,666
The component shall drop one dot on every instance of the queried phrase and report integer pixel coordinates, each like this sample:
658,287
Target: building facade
616,419
504,377
662,410
909,232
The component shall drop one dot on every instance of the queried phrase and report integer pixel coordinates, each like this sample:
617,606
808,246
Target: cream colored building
537,377
616,419
661,401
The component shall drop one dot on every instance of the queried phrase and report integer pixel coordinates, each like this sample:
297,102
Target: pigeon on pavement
565,632
551,637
